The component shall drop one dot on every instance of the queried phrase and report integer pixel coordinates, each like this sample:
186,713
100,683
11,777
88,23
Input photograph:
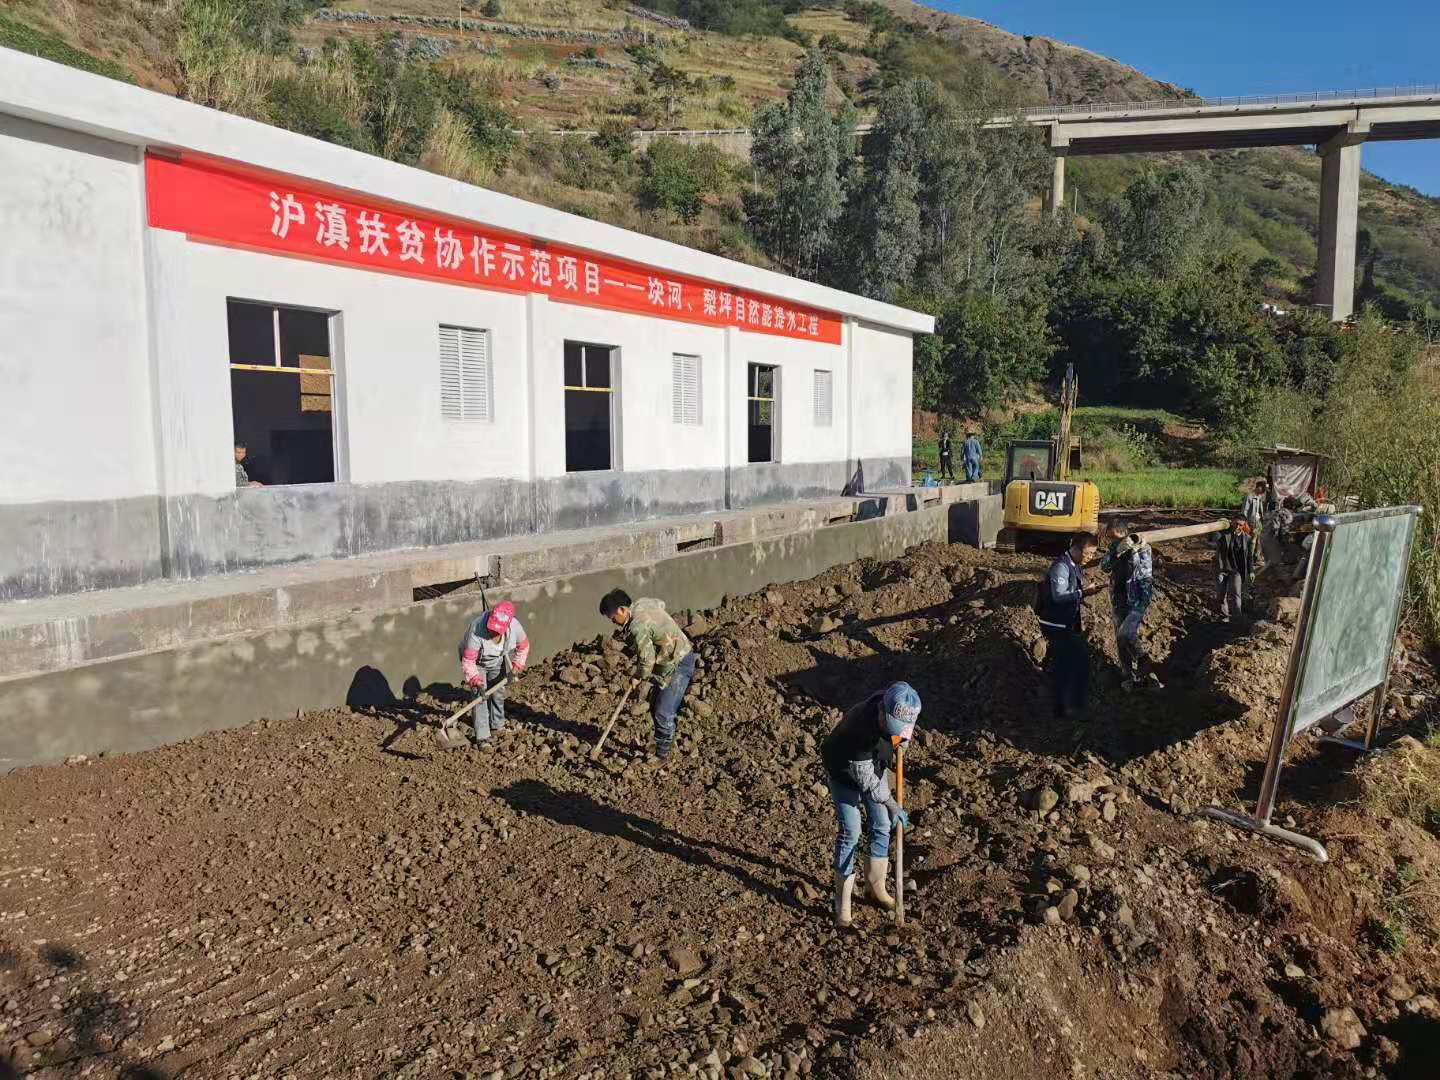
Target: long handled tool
900,837
445,736
595,752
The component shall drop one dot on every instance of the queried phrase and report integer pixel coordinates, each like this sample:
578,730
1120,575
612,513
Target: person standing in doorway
1131,568
1059,609
858,755
242,474
972,454
494,647
947,460
663,658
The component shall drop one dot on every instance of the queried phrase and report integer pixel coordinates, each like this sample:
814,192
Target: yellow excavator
1041,502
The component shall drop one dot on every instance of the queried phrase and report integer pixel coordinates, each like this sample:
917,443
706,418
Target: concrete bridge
1336,124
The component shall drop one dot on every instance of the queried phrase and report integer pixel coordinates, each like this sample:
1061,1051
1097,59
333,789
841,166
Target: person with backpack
857,756
494,647
1060,595
1131,568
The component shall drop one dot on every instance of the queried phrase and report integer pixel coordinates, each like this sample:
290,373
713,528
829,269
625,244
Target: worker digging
493,650
1129,563
1059,610
858,756
663,658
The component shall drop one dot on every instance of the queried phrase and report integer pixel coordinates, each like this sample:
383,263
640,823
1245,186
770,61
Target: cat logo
1052,500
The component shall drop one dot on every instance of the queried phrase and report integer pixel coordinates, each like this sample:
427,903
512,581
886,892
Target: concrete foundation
150,698
59,548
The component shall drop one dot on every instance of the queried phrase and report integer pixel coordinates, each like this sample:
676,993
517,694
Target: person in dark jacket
1131,568
947,459
1234,555
1059,613
857,756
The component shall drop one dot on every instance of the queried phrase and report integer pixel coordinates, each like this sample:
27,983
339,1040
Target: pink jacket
479,651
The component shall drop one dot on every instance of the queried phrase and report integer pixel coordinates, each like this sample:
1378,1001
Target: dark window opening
589,407
282,394
762,413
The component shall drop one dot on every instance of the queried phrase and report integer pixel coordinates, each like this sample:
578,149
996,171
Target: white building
409,360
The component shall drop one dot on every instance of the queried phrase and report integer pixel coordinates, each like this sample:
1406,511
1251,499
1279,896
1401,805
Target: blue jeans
667,704
847,800
972,471
490,714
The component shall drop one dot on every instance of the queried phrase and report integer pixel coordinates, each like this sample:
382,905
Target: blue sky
1254,47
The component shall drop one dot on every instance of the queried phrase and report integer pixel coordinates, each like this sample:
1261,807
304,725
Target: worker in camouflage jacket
1132,586
663,658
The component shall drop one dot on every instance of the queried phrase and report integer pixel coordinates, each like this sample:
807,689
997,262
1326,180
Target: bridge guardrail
1423,91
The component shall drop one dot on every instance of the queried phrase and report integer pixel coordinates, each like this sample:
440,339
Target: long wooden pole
595,752
1179,532
900,837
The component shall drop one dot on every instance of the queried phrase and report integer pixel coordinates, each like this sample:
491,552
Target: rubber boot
876,871
844,889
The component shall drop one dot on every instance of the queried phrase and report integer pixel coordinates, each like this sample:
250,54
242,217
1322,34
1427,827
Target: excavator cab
1039,496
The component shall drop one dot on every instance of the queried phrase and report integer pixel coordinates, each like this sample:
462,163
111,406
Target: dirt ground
290,899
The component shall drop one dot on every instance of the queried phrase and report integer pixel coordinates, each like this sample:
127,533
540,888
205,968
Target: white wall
74,373
882,386
389,368
647,438
800,439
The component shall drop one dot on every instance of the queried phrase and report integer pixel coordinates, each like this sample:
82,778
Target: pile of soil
290,899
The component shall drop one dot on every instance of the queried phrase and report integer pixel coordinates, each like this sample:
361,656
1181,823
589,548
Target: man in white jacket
493,642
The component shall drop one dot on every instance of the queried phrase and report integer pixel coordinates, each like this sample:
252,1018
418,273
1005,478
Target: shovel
447,736
595,751
900,838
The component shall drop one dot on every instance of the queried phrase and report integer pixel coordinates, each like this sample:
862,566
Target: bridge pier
1339,208
1057,183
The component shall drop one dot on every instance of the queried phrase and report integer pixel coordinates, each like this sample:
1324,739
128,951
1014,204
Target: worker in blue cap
857,755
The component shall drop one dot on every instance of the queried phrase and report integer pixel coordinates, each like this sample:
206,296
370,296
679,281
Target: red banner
249,210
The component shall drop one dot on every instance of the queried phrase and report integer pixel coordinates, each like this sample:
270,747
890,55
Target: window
589,406
282,394
762,413
823,398
465,374
685,389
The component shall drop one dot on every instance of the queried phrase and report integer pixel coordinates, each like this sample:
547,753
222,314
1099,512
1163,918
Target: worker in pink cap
495,645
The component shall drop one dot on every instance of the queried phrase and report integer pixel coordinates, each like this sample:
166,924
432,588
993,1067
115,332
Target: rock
573,676
1108,810
1124,917
976,1014
751,1066
1079,793
685,961
76,759
166,1045
1052,916
850,589
699,627
1068,903
1102,849
1287,610
1044,800
1344,1027
823,624
774,599
701,708
1039,649
1294,971
1398,990
1079,873
43,1037
1423,1004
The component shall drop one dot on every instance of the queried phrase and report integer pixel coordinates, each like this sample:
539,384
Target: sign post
1344,643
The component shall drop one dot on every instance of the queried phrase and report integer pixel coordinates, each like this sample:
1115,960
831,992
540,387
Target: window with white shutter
823,398
465,374
685,389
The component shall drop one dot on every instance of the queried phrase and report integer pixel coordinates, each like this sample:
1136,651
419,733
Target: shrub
675,177
491,9
23,38
615,139
311,103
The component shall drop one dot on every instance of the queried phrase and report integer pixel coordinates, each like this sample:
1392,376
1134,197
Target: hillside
583,64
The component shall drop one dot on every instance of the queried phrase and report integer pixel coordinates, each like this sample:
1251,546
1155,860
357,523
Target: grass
1162,486
22,37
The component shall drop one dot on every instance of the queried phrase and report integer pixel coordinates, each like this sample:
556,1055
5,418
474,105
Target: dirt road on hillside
288,899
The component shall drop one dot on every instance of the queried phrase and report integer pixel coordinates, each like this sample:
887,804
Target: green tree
492,9
675,177
672,85
1163,225
883,227
801,152
989,350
